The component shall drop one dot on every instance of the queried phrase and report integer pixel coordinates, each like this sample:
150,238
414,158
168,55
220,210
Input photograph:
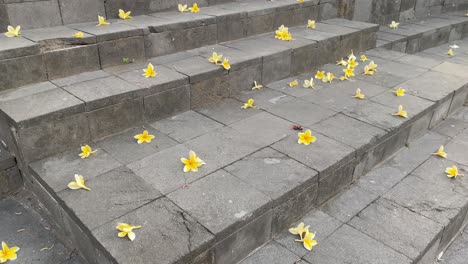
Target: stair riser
282,215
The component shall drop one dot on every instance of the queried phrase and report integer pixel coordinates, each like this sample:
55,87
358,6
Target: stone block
234,27
271,253
450,127
333,182
348,244
420,126
11,180
418,61
16,47
222,203
440,37
328,10
107,199
238,59
161,220
257,45
115,118
276,69
208,92
167,103
384,220
301,112
459,99
90,10
227,111
114,31
65,62
266,99
198,69
416,106
242,80
34,14
81,77
440,111
256,25
187,20
111,53
55,37
22,71
175,126
457,148
377,115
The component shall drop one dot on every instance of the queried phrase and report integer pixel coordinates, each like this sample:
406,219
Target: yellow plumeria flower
310,23
309,241
8,253
300,230
194,8
283,33
13,32
309,83
127,230
192,163
349,71
372,66
149,72
182,8
450,52
400,92
124,15
359,94
306,137
343,78
329,77
466,14
394,25
320,75
215,58
86,151
257,86
144,137
440,152
300,1
249,104
78,35
452,172
351,56
79,183
102,21
352,63
364,58
368,71
342,62
226,64
293,83
401,112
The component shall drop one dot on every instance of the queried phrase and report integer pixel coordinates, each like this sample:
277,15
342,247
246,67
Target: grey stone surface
53,37
441,110
384,221
114,31
456,253
75,60
176,126
58,171
348,245
320,223
221,202
161,220
113,194
227,111
111,53
457,148
377,115
35,14
413,105
348,203
124,148
450,127
264,99
167,103
271,253
196,68
298,91
82,77
209,91
11,180
418,61
22,71
68,10
274,174
301,112
16,47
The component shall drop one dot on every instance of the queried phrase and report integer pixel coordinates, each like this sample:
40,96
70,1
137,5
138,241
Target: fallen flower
192,163
364,58
79,183
215,58
13,32
102,21
351,56
372,66
359,94
401,112
127,230
309,83
249,104
394,25
440,152
257,86
86,151
311,24
320,75
8,253
194,8
293,83
329,77
452,172
283,33
309,241
226,64
78,35
368,71
182,8
144,137
450,52
306,138
349,71
124,15
299,230
149,72
342,62
400,92
352,63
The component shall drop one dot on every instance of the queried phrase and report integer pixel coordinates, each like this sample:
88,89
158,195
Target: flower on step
348,72
320,75
452,172
352,63
343,78
149,72
440,152
368,71
309,241
300,230
401,112
194,8
124,15
400,92
311,24
351,56
78,35
359,94
182,8
306,137
283,33
364,58
309,83
13,31
328,78
372,66
293,83
192,163
102,21
79,183
450,52
127,230
144,137
257,86
394,25
249,104
342,62
86,151
215,58
8,253
226,64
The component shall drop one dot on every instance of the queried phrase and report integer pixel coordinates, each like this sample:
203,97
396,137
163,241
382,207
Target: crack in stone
186,223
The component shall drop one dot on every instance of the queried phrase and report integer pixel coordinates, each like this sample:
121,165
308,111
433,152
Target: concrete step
403,211
51,52
22,226
456,253
10,176
241,197
95,104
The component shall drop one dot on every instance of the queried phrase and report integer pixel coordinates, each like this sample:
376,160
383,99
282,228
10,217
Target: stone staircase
60,93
